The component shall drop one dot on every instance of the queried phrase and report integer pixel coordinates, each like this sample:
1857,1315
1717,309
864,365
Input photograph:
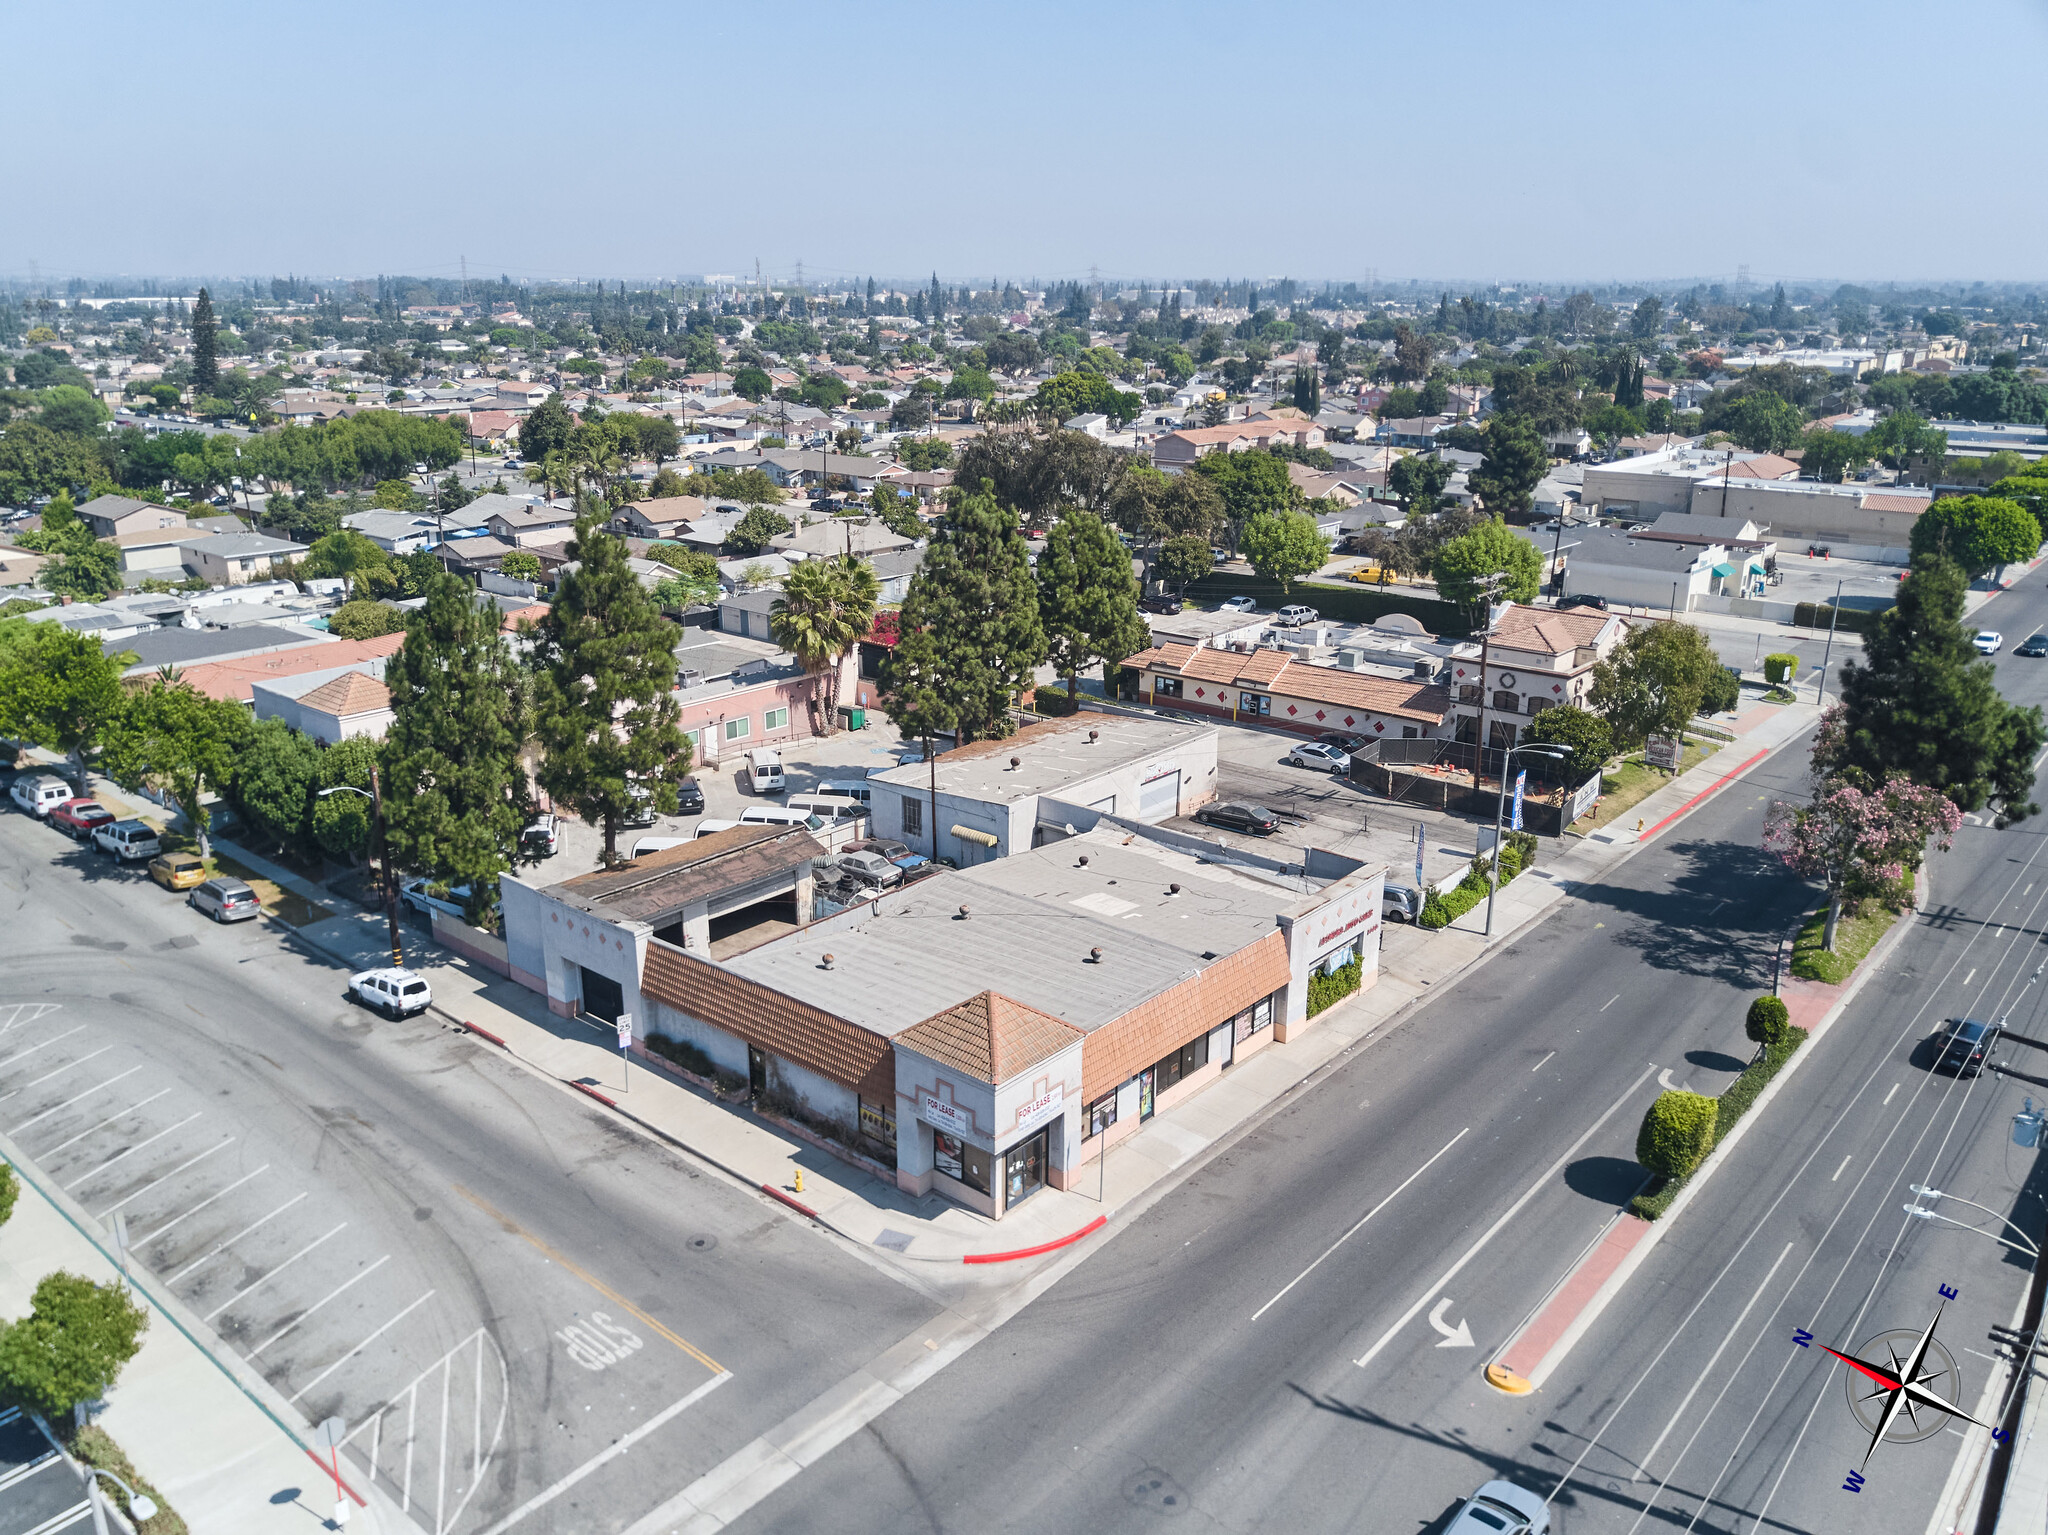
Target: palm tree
556,473
826,608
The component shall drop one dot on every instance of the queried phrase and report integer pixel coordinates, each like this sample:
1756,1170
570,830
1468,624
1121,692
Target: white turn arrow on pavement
1454,1337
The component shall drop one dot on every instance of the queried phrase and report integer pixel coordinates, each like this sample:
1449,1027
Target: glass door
1024,1170
1145,1093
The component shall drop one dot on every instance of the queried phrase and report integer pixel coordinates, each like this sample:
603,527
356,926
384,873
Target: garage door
1159,797
603,997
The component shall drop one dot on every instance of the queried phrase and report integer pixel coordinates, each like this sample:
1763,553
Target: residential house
329,705
1178,450
734,694
1090,425
839,535
234,559
110,515
1532,659
526,526
1418,432
1271,687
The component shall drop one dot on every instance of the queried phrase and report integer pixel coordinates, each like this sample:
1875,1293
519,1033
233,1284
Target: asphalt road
495,1283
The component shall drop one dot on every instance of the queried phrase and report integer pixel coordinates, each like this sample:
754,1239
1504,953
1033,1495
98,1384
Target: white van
705,829
777,815
764,770
41,794
843,788
648,845
827,808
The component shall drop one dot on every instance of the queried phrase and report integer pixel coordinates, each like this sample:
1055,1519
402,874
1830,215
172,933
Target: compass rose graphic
1911,1394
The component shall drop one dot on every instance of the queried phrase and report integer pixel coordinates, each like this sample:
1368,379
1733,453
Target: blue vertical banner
1419,886
1521,778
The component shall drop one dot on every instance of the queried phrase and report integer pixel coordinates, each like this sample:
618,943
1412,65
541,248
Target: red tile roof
1270,671
232,679
1547,631
348,695
990,1037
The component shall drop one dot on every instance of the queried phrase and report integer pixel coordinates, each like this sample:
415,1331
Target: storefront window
960,1159
1166,687
1024,1170
1254,1018
878,1121
1101,1115
1184,1062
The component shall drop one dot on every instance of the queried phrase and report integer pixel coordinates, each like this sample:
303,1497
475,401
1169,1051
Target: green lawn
1854,938
1633,781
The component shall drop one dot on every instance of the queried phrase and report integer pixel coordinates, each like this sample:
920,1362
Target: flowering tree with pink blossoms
1863,844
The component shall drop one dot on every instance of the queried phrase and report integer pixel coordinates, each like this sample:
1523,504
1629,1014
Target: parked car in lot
1583,600
1988,642
394,993
129,841
1344,743
1163,603
225,900
78,819
1294,615
870,869
1256,819
1239,605
178,871
1961,1045
764,770
542,837
1501,1508
1323,759
2032,645
642,811
689,797
898,853
39,793
1400,903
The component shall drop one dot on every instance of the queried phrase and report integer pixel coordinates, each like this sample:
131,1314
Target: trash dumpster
853,716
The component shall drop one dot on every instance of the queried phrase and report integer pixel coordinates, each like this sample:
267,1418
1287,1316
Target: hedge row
1667,1125
1817,615
1517,852
1323,989
1351,603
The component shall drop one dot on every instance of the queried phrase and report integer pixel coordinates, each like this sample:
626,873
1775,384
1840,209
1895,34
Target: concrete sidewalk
863,1204
223,1448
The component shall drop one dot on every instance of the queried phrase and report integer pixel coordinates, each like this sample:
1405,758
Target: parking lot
497,1287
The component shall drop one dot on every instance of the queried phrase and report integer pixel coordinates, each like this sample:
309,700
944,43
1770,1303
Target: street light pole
389,877
1834,612
140,1505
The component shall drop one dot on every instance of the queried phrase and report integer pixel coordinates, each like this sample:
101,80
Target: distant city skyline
1573,143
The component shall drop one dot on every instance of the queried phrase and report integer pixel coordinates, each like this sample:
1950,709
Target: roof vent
828,961
1016,763
963,914
1208,953
1173,890
1093,734
1095,956
1083,863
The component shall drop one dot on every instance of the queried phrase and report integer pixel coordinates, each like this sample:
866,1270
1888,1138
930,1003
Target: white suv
129,841
1294,615
394,993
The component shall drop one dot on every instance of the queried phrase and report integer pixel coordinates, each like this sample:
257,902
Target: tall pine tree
971,635
205,348
604,706
1921,702
1088,598
456,794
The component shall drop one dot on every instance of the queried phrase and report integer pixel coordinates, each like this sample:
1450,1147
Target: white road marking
44,1156
209,1199
231,1241
257,1284
22,1055
1888,1097
1842,1169
1700,1378
345,1358
1539,1065
618,1447
1971,976
323,1300
218,1145
2041,759
58,1071
1453,1337
1298,1278
123,1156
68,1102
42,1009
1610,1002
1509,1214
1664,1081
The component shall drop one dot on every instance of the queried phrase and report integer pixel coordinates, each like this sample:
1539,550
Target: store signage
1583,798
1340,924
1664,751
949,1117
1035,1113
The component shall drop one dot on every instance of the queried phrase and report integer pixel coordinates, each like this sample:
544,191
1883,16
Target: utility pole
1834,613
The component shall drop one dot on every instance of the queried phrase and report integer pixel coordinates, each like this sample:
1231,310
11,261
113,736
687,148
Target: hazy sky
1647,140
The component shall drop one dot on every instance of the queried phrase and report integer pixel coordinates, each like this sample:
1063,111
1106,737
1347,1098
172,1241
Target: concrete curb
1633,1259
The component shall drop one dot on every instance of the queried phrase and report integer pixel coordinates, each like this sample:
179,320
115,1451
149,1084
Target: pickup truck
78,819
416,894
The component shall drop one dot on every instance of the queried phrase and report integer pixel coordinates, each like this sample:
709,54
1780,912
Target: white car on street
394,993
1324,759
1498,1507
1238,605
1989,642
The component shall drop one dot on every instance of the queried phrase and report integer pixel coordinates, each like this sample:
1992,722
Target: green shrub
94,1446
1767,1022
71,1346
1779,667
10,1190
1339,983
1053,702
1677,1133
364,620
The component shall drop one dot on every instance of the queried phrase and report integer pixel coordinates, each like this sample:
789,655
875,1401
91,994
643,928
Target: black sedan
1256,819
689,798
1160,604
2033,645
1962,1044
1343,743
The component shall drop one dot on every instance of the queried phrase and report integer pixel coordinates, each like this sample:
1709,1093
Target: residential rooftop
1049,756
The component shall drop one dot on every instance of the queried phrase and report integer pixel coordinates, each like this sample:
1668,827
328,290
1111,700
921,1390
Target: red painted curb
1043,1247
795,1204
1718,784
328,1472
584,1087
487,1034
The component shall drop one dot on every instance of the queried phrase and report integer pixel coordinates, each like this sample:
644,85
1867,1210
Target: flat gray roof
1032,919
1052,755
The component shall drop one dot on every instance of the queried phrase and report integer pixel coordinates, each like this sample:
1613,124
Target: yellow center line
592,1280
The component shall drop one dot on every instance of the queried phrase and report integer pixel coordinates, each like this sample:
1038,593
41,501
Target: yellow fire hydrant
799,1180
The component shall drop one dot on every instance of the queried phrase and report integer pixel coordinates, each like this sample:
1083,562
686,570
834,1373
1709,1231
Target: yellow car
178,871
1371,575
